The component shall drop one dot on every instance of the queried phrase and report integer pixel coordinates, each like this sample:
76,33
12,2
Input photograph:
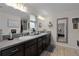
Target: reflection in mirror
23,25
62,30
32,23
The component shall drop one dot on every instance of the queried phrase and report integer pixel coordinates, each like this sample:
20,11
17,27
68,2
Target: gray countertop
7,43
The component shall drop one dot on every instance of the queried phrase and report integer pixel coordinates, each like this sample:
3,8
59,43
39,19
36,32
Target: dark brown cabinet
39,45
44,42
33,50
13,51
32,47
27,51
0,53
20,51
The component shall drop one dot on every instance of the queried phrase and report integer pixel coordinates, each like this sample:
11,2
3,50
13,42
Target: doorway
62,30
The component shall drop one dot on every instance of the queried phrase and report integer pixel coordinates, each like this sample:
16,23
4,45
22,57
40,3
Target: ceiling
44,9
51,8
10,10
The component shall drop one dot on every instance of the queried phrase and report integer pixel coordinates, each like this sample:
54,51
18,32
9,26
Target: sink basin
25,37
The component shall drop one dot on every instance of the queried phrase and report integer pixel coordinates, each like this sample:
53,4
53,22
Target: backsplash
1,35
14,35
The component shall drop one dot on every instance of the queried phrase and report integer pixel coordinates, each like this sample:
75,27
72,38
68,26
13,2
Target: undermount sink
25,37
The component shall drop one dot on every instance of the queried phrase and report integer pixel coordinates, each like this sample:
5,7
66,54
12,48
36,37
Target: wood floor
61,51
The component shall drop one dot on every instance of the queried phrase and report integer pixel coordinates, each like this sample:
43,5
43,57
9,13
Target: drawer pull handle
15,50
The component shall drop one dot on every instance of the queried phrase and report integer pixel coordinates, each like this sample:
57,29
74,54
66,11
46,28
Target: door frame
65,18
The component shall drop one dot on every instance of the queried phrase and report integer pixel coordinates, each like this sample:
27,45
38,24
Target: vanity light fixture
18,6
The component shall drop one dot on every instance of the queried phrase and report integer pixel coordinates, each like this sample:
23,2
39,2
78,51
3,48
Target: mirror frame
65,18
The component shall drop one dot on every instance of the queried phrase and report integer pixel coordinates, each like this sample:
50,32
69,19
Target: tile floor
61,51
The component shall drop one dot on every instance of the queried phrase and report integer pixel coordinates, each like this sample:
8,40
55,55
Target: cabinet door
44,44
0,53
14,51
48,40
40,50
40,46
45,41
31,51
31,48
28,51
20,51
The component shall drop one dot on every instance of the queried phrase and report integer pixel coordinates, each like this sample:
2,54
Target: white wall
4,17
73,34
44,24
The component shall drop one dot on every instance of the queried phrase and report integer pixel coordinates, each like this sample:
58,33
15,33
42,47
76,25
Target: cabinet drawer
13,51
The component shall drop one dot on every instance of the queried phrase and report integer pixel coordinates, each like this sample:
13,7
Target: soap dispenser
11,37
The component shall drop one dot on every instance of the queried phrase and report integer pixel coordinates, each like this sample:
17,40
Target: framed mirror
24,25
62,30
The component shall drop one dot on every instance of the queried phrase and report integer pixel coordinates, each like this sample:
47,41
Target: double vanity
32,45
